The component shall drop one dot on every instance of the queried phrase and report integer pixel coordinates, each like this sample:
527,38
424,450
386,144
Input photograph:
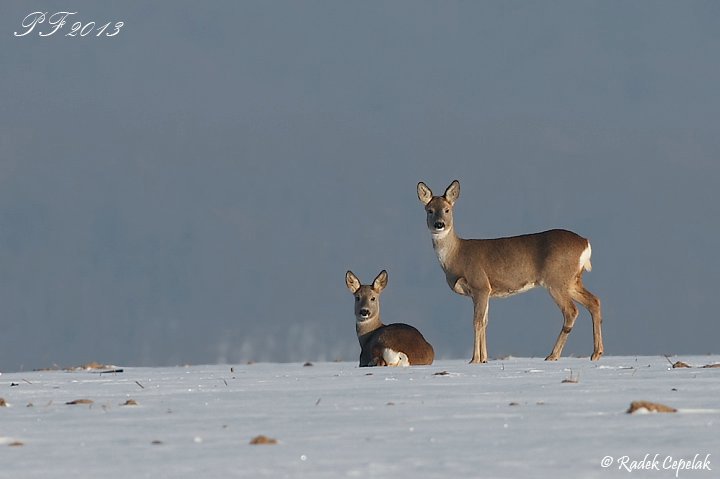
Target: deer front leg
481,299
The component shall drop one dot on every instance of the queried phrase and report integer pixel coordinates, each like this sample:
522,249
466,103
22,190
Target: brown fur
499,267
374,336
650,406
398,337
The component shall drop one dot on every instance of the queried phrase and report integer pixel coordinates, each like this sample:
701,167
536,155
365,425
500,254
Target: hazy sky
193,189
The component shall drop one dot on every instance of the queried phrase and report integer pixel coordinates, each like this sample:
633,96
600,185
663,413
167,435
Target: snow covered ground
513,418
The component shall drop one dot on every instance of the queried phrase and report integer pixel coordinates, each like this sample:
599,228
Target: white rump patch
585,259
395,358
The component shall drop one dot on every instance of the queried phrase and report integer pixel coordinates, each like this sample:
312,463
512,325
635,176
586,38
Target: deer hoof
552,357
596,356
377,362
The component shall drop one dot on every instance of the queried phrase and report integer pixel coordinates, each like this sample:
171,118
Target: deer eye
429,212
372,299
357,298
447,210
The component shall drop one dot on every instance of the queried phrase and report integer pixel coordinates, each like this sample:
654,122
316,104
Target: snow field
512,418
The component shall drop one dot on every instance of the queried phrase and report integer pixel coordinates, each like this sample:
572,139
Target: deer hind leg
395,358
480,320
377,361
570,313
592,304
376,356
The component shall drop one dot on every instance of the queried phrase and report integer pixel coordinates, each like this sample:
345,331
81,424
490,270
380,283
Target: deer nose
364,312
439,225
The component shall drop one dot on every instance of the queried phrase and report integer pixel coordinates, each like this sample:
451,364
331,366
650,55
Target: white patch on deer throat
442,254
585,258
441,249
440,234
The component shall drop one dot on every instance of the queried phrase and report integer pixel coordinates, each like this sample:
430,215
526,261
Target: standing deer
485,268
396,344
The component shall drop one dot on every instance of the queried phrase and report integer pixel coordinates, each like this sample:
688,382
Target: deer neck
365,328
445,245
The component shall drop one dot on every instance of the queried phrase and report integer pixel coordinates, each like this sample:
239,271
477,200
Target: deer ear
424,193
453,192
381,281
351,281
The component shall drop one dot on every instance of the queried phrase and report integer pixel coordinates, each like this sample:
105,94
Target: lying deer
395,344
485,268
